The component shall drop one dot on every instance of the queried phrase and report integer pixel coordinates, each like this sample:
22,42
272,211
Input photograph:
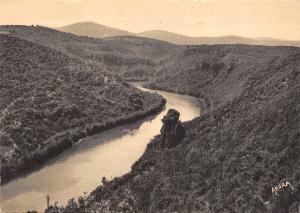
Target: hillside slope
216,73
50,100
232,156
129,56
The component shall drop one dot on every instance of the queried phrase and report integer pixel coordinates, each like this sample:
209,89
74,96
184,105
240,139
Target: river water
81,168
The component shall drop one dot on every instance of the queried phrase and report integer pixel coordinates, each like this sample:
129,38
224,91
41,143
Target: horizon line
167,31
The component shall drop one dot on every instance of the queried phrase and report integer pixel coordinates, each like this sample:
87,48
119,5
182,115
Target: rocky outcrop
172,131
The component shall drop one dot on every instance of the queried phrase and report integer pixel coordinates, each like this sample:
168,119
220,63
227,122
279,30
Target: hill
93,29
216,73
128,56
187,40
96,30
233,157
166,36
50,100
83,46
231,39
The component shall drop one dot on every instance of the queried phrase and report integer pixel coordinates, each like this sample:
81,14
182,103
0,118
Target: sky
249,18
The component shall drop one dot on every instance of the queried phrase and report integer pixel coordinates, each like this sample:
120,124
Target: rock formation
172,131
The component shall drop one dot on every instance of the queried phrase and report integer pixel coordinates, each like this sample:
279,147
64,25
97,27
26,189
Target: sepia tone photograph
150,106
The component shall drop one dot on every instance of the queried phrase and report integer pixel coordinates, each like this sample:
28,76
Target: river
81,168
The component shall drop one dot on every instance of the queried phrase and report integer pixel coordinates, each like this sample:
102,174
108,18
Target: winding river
81,168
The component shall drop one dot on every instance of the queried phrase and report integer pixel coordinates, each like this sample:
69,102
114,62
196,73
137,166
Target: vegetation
50,100
119,55
245,143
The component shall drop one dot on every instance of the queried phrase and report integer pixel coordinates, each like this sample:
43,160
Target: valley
50,100
227,160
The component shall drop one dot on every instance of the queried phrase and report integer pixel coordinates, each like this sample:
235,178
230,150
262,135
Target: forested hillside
218,73
128,56
50,100
243,146
228,160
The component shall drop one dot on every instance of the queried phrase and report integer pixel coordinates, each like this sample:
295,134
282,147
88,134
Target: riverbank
64,140
49,100
203,101
110,153
232,157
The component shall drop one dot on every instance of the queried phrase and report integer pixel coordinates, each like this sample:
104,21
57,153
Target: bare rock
172,131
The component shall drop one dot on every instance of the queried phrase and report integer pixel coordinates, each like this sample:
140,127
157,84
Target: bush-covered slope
50,100
231,157
126,56
235,154
217,73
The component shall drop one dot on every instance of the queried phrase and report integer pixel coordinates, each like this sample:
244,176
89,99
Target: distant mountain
182,39
96,30
93,29
230,39
166,36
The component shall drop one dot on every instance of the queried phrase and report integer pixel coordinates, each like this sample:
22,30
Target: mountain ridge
125,55
94,29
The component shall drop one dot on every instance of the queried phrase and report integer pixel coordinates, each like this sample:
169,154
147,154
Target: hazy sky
252,18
